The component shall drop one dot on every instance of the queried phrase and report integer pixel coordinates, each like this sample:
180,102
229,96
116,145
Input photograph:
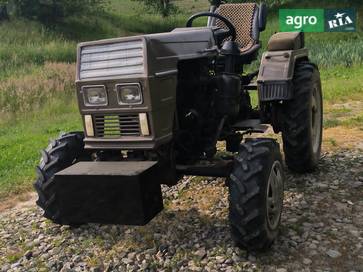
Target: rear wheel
60,154
256,194
302,120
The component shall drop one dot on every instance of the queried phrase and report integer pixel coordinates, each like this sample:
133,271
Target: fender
277,66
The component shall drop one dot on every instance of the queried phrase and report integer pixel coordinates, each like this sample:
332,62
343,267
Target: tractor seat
249,19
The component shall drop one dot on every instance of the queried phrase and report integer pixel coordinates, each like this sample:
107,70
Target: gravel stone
333,253
220,259
322,220
201,253
28,254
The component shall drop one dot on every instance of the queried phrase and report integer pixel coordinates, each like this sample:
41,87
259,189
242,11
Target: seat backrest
244,17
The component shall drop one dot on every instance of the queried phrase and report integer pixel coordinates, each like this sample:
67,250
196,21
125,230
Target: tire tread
246,208
59,154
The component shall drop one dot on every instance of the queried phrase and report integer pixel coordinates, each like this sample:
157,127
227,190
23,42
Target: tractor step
250,124
216,168
125,193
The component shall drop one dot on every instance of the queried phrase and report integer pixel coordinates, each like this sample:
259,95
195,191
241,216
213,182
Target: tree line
167,7
53,11
48,11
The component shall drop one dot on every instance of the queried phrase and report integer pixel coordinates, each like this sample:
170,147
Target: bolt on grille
117,125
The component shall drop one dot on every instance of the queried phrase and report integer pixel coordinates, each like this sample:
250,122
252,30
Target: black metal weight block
126,193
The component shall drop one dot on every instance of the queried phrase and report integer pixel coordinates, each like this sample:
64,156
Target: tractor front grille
117,125
112,59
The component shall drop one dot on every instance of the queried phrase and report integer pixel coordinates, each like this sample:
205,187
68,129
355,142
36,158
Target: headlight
129,94
94,95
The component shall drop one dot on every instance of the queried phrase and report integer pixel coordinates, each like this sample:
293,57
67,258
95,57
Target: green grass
356,121
26,43
340,112
329,123
342,83
352,122
22,139
30,91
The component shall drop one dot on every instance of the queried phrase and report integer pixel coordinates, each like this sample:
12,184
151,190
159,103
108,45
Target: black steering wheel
231,29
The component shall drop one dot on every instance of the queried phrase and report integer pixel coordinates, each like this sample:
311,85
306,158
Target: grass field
37,98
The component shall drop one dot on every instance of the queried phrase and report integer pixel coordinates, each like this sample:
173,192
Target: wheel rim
316,119
275,187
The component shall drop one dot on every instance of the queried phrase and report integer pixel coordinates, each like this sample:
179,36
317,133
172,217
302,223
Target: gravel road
322,230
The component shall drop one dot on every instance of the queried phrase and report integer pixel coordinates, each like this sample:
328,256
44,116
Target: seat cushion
244,18
286,41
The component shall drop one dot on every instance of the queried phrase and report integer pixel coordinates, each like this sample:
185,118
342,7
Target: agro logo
340,20
306,20
299,21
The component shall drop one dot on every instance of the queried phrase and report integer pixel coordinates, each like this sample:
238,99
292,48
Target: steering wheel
231,29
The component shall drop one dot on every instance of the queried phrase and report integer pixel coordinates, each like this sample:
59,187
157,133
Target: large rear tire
302,120
256,194
60,154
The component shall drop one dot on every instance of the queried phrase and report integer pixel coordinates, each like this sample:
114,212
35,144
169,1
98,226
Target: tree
164,7
53,11
3,10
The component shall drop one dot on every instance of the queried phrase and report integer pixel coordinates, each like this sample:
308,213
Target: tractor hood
148,63
146,55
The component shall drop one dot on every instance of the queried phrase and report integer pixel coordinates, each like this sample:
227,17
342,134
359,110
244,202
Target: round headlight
95,95
129,94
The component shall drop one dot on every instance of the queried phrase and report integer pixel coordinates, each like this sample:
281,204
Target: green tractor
154,107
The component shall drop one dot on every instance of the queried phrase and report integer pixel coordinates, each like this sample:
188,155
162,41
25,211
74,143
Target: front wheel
256,194
60,154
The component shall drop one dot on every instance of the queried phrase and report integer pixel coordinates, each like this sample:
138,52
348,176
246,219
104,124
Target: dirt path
18,202
322,229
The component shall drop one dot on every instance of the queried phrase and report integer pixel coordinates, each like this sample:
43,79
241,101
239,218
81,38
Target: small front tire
256,194
60,154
